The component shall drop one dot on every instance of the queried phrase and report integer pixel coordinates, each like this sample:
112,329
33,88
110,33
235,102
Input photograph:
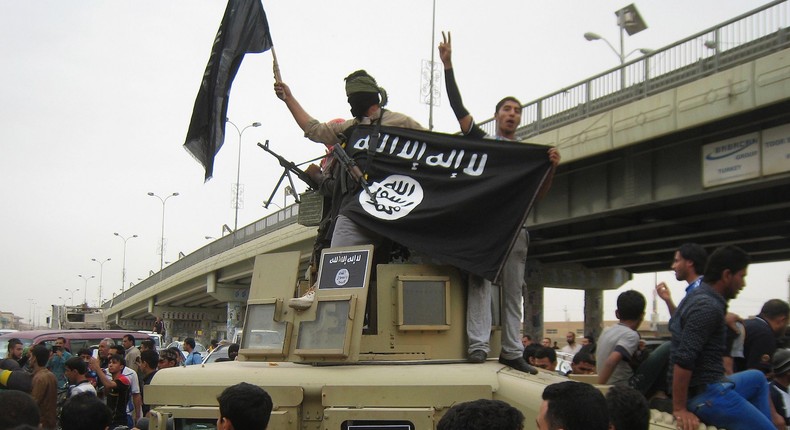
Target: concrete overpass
690,143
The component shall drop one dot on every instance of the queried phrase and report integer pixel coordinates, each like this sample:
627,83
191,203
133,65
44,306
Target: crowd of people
78,391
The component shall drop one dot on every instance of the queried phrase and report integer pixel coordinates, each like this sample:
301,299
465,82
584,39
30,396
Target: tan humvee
360,357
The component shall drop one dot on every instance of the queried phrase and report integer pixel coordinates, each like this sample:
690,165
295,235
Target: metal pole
162,236
123,271
238,169
433,49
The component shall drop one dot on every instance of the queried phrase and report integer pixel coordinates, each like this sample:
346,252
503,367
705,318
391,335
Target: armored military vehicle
363,355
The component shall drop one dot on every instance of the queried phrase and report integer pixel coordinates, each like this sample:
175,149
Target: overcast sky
96,97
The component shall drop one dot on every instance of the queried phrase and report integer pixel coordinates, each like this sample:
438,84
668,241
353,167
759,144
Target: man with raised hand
478,312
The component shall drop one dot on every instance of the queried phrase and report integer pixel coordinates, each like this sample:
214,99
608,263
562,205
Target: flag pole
276,67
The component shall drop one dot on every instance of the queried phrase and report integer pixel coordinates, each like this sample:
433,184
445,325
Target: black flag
243,29
458,199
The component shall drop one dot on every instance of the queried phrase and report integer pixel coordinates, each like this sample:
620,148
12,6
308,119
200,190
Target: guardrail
742,39
282,218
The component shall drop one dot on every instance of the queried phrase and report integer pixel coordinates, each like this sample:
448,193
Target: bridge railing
263,226
737,41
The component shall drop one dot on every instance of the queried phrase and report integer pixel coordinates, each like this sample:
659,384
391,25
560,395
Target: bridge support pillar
593,312
235,319
533,311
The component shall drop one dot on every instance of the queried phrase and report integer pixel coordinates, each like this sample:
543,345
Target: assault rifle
353,169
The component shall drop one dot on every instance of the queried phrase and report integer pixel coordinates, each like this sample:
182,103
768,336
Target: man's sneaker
519,364
477,356
304,302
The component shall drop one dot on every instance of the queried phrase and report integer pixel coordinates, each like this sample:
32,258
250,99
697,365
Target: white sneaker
304,302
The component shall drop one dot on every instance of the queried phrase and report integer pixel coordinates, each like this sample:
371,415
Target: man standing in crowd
104,351
583,363
572,347
57,362
135,407
700,390
572,406
75,374
131,352
618,344
762,333
244,407
149,360
167,359
13,355
688,264
478,310
193,357
117,387
45,386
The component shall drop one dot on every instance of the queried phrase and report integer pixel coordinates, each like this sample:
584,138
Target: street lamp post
123,271
238,168
101,274
629,21
162,238
72,294
85,291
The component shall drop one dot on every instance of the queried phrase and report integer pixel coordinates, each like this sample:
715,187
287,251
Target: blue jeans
740,403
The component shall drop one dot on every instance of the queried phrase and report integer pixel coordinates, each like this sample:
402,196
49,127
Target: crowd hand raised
663,291
446,50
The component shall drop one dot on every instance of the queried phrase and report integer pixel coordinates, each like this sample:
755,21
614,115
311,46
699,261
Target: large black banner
243,29
458,199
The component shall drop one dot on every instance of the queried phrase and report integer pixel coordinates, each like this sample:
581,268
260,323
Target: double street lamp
85,291
238,169
72,294
162,238
123,272
630,21
101,274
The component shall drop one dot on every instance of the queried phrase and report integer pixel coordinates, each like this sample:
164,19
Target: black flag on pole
458,199
243,29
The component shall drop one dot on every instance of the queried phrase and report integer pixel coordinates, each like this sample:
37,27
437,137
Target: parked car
220,352
75,339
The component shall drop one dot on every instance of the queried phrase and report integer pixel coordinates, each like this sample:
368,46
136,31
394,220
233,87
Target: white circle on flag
395,197
341,278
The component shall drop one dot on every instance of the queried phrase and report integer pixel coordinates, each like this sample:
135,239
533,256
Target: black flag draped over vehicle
243,29
458,199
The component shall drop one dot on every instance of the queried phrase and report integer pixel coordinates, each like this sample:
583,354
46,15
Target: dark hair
85,412
119,358
628,409
482,414
149,357
546,352
531,349
583,357
85,351
729,257
696,254
575,406
129,337
190,341
14,341
148,344
775,308
505,100
234,347
247,406
118,349
631,305
61,338
40,355
17,408
78,364
169,355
